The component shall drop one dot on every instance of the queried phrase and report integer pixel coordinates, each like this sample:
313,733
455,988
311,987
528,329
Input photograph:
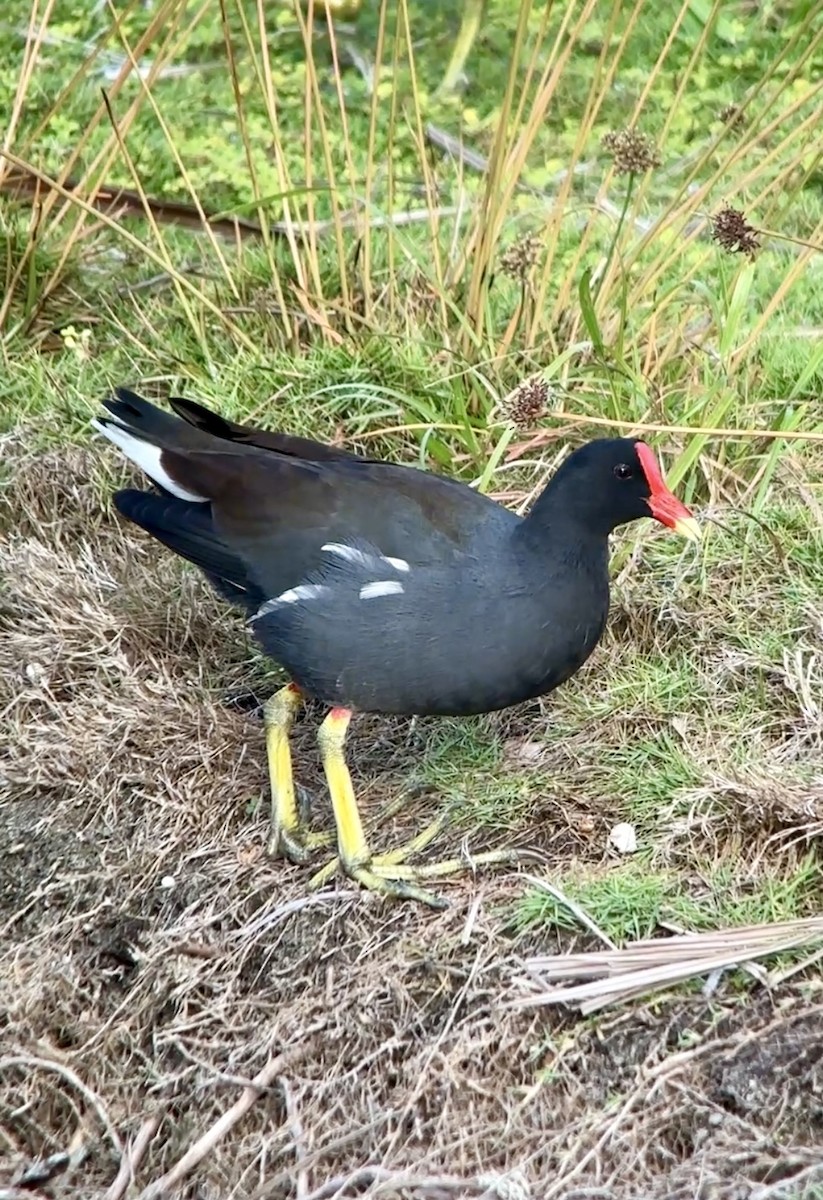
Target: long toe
389,874
386,883
391,857
455,866
298,844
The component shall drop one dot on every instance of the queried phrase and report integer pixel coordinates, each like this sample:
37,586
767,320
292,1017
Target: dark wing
196,426
275,513
212,423
255,516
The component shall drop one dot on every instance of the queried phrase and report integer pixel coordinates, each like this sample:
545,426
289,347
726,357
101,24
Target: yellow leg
382,873
351,840
289,837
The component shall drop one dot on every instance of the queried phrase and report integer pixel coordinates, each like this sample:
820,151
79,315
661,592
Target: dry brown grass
153,961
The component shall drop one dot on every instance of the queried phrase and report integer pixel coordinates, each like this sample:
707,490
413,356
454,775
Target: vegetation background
422,230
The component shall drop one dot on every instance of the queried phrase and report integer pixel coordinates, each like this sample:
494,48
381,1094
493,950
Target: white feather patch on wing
145,456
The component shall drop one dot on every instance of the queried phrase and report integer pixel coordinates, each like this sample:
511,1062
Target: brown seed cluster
732,116
527,402
632,151
733,232
521,256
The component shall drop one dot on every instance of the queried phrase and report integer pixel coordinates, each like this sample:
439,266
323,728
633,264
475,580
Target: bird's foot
390,875
294,840
375,867
297,845
383,873
396,882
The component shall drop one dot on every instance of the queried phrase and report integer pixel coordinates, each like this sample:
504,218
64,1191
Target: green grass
631,902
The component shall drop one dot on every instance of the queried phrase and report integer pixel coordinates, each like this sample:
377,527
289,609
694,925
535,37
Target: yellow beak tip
688,528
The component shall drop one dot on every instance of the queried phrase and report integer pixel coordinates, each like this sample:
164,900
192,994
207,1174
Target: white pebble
624,838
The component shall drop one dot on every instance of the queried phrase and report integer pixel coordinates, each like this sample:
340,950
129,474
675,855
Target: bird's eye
623,471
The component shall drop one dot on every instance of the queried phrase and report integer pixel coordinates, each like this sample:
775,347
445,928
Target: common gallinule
384,588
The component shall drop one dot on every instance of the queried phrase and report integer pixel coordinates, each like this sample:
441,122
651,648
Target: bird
383,588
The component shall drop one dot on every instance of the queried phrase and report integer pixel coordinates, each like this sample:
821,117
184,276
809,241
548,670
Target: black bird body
383,588
481,608
360,642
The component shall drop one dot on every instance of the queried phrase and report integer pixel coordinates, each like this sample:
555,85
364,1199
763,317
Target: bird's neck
566,525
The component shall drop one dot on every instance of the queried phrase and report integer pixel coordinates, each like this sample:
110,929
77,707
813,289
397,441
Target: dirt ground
153,961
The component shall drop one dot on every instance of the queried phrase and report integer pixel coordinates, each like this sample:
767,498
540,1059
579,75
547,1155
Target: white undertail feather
145,456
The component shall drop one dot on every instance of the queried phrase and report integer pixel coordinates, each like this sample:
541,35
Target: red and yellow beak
664,505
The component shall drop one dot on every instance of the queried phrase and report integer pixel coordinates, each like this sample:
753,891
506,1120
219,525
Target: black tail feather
187,528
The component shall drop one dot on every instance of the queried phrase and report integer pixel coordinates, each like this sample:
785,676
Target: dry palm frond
616,975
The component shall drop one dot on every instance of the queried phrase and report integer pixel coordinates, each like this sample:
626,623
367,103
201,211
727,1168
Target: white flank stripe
145,456
349,553
383,587
305,591
353,555
399,564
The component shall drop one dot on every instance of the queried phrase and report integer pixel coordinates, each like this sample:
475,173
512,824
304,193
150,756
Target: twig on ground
651,1080
226,1078
213,1136
615,976
17,1193
268,920
781,1188
31,1062
44,1170
111,198
433,1186
131,1159
298,1138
